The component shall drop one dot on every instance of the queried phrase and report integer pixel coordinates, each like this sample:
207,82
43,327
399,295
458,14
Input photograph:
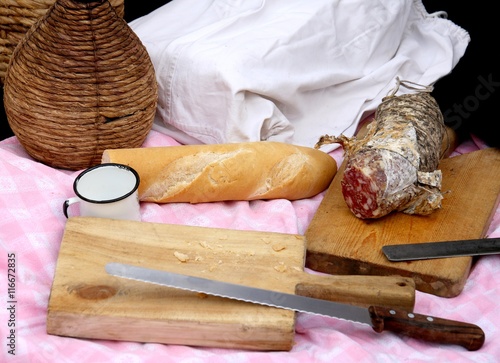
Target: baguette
224,172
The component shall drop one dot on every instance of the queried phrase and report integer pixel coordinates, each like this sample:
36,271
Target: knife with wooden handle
417,326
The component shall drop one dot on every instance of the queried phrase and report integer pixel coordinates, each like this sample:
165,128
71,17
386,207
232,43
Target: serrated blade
379,318
242,293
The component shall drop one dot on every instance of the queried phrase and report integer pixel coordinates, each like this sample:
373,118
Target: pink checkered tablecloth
32,224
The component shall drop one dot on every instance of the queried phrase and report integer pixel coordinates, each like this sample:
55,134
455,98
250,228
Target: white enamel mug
107,190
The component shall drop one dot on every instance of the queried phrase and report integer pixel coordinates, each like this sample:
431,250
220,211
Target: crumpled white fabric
289,71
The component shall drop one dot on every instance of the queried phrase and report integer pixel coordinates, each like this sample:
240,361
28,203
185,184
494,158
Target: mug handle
67,203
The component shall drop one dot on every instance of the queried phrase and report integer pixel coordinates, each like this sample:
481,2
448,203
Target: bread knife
428,328
428,250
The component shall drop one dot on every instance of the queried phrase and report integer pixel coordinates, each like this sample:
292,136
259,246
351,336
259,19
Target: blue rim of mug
121,166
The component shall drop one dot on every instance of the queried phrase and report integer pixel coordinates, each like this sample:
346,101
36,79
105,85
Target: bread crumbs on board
278,247
181,256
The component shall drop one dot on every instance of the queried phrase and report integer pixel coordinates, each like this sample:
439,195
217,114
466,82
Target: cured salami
394,166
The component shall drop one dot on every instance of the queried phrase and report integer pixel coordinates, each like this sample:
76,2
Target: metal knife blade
429,250
418,326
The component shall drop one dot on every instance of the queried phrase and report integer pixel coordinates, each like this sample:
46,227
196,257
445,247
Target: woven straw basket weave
79,82
17,16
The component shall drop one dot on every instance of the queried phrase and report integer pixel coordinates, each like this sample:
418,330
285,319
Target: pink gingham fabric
32,224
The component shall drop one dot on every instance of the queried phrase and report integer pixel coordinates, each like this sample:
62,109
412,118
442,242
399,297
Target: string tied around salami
411,86
393,167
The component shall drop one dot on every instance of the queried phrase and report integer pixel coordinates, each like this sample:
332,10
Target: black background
468,105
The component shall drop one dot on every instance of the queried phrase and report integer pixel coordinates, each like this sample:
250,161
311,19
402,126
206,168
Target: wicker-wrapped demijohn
79,82
17,16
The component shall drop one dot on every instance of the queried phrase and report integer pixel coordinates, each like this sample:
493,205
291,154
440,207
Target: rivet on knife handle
427,328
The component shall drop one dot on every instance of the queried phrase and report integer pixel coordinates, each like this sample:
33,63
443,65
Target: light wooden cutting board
86,302
340,243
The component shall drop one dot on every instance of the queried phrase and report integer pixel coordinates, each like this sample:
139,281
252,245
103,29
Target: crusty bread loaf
222,172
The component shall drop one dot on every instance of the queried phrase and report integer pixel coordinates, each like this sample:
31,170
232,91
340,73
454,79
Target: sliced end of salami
359,195
376,182
363,183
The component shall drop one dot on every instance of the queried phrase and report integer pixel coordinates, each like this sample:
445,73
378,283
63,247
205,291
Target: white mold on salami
394,166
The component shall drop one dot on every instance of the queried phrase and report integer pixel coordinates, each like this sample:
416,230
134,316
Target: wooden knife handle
427,328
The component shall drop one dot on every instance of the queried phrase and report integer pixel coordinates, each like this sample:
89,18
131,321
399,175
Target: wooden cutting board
86,302
340,243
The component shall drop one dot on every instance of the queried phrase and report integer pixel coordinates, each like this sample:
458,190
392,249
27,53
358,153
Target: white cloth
288,70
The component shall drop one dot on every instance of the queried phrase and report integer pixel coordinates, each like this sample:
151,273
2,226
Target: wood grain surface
340,243
86,302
